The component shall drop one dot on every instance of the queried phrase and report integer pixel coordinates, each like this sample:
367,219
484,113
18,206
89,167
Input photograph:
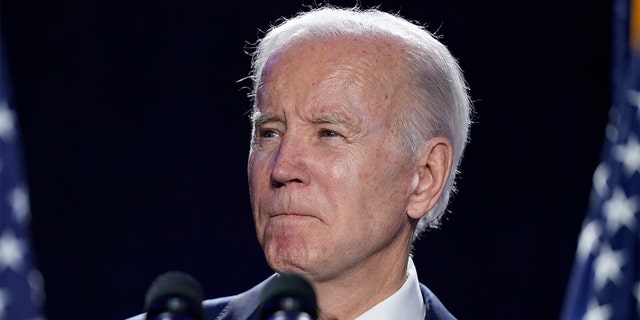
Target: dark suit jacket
245,306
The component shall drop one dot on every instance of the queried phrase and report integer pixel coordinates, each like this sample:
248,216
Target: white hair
438,103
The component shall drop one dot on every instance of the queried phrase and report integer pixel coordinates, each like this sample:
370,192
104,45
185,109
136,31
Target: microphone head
288,294
174,293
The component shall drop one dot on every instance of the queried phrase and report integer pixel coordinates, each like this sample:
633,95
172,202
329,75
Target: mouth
290,214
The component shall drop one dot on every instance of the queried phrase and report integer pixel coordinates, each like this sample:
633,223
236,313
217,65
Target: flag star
588,239
629,155
4,302
7,121
12,252
619,210
597,312
19,203
607,265
600,177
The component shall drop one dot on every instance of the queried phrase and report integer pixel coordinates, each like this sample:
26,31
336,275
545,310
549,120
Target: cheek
339,177
258,174
258,169
375,171
347,192
386,179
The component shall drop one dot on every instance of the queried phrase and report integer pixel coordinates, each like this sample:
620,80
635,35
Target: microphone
174,295
288,297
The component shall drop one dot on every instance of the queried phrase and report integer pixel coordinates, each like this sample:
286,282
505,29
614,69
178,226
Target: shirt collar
406,303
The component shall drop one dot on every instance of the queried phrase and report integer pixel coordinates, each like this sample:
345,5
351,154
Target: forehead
354,67
363,52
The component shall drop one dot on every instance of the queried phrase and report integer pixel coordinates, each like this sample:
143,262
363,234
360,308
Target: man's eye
328,133
266,133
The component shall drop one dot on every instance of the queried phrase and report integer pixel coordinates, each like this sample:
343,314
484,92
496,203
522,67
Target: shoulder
214,307
435,308
239,307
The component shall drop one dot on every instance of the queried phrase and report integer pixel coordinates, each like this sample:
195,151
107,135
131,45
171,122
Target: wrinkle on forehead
376,57
361,74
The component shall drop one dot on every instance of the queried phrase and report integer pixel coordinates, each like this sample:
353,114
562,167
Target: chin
287,260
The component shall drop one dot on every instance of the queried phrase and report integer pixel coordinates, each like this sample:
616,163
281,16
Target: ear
434,167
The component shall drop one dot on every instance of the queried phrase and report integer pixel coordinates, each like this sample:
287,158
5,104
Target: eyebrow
335,118
258,118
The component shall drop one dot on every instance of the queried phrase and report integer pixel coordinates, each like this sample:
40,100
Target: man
359,121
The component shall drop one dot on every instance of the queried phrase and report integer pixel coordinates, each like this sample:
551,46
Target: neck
359,290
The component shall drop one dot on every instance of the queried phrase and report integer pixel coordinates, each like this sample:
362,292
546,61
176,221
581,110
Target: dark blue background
136,137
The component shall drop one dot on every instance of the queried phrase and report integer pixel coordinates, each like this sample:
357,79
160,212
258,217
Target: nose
289,163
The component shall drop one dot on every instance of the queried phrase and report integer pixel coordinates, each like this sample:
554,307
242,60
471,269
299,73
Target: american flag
605,280
21,285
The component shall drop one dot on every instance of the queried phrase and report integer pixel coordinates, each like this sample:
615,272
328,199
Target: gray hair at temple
438,104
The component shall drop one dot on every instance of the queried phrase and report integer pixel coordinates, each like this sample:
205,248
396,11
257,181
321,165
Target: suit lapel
245,305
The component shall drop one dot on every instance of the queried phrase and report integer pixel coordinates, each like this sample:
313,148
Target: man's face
329,180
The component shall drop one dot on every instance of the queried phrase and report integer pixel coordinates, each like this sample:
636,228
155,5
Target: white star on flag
7,121
608,266
597,312
588,241
11,251
620,210
629,155
600,178
19,203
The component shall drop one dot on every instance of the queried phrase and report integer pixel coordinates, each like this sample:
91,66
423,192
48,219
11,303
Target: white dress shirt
406,303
